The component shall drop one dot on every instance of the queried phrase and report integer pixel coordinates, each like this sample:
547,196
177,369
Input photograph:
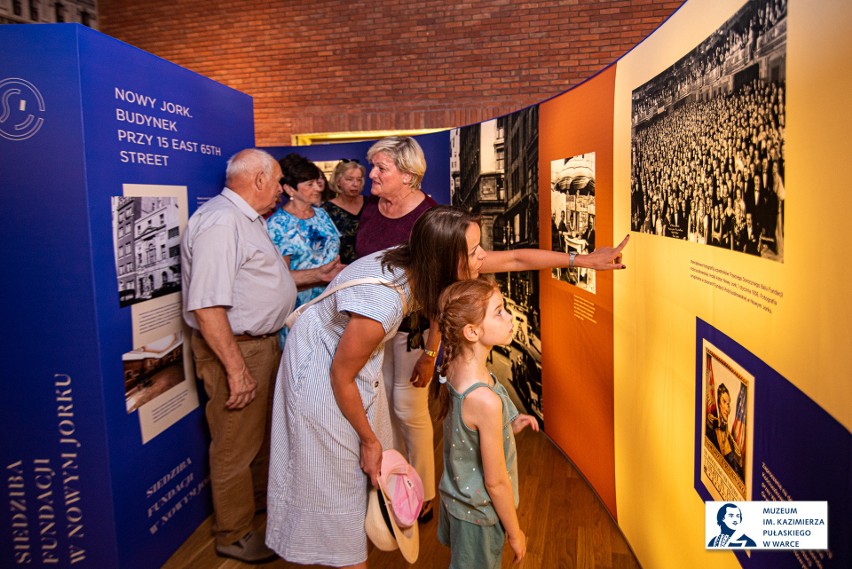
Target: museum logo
766,525
21,109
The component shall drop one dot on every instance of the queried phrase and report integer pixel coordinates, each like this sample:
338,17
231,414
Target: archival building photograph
494,174
146,236
572,215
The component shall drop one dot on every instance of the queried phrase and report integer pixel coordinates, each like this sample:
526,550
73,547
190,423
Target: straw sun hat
392,510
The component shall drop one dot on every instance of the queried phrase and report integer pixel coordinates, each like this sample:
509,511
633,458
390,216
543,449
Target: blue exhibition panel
105,151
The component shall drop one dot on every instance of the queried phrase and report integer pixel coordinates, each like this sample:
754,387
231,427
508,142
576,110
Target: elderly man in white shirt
237,292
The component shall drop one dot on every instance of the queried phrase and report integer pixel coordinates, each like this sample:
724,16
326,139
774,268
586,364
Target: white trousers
409,406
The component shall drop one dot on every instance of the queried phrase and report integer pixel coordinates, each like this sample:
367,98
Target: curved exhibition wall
716,367
714,144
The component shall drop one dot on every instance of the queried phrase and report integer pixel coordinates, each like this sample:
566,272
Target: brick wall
337,65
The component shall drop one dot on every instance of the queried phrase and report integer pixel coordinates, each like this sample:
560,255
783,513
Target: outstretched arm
603,259
318,276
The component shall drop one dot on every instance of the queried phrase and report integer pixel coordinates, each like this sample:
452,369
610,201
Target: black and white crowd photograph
708,139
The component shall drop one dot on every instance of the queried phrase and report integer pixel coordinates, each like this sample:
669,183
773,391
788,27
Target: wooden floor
566,525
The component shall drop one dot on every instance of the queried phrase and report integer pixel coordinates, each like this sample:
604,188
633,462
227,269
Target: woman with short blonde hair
344,209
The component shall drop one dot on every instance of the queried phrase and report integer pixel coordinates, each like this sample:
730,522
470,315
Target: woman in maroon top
396,202
397,199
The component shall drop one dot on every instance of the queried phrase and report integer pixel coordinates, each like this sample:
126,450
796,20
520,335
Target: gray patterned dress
317,496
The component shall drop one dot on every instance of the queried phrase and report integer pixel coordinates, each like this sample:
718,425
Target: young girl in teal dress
479,487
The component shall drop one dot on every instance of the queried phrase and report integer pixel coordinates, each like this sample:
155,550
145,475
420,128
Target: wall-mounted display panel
105,151
718,131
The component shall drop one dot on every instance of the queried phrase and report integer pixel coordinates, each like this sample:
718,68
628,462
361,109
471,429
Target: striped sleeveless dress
317,498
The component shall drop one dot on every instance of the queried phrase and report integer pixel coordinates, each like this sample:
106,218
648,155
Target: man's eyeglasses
348,160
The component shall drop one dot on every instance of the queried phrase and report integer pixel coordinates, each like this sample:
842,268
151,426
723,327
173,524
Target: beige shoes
250,549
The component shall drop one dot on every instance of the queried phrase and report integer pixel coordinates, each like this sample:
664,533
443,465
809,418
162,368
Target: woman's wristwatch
571,257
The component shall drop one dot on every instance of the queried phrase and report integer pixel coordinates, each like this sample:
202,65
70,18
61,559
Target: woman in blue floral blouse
303,233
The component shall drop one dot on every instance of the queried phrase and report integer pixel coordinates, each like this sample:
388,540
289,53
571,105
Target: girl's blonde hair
462,303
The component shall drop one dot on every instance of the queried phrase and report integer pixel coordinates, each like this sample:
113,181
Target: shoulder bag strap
291,319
